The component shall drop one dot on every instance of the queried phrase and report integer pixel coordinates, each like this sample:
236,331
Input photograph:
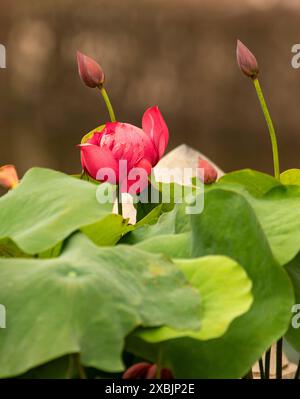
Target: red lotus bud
8,176
210,174
137,371
90,71
246,60
152,371
144,370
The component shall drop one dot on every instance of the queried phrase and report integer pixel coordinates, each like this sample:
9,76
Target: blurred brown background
179,54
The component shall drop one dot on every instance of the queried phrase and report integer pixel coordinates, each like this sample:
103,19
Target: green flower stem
80,368
119,200
108,104
279,359
261,369
267,364
82,175
270,127
70,367
113,119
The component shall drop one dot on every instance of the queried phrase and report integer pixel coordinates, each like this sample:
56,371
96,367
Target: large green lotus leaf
244,181
252,181
277,209
225,292
172,245
166,218
173,222
165,194
87,300
278,212
152,196
228,226
143,209
293,334
108,230
56,369
276,204
47,207
8,249
151,217
290,177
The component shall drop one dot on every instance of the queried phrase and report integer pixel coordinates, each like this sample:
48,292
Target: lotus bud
210,173
246,60
152,371
90,71
8,176
144,370
137,371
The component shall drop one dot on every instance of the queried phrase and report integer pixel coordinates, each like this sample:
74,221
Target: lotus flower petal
155,126
95,158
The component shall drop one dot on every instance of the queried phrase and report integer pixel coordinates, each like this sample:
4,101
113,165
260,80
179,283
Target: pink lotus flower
125,154
8,176
90,71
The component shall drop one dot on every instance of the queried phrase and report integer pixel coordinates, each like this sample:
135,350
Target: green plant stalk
119,201
267,364
270,127
113,119
70,367
277,176
82,175
279,359
261,369
79,367
108,104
